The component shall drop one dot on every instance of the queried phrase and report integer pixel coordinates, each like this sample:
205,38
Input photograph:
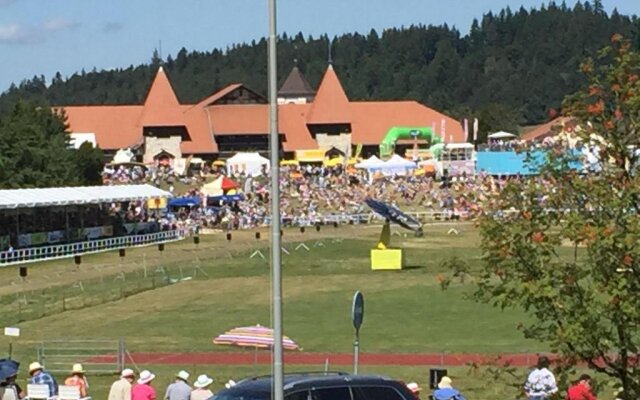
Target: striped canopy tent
258,337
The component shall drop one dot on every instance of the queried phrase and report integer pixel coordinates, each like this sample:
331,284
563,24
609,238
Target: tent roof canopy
501,135
65,196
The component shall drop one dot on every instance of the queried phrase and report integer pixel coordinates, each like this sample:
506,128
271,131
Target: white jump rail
23,256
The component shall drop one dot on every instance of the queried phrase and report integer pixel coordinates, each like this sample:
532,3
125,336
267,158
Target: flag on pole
443,129
475,129
466,130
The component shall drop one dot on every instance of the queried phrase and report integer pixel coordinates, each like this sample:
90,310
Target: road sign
357,310
10,331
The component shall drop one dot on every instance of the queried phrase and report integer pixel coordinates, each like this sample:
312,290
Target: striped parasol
253,336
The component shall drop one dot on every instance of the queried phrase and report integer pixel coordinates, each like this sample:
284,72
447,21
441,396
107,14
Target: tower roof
331,105
296,85
161,107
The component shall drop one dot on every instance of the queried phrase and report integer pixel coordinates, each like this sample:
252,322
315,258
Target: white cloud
59,24
16,33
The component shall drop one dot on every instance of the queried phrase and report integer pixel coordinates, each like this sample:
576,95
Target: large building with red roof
236,119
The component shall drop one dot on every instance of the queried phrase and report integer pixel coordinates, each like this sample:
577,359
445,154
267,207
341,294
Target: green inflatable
389,142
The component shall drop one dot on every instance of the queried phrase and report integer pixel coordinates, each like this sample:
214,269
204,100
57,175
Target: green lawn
406,311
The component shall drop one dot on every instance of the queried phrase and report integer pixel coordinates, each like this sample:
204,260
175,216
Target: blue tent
184,202
225,199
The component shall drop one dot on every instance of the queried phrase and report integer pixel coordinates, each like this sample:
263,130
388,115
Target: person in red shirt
581,390
78,379
143,390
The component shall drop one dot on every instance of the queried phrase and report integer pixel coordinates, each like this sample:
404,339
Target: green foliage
506,62
585,304
89,162
34,150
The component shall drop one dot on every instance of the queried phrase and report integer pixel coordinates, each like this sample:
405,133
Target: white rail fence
22,256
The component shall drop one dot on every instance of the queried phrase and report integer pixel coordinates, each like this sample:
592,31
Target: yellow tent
332,162
285,163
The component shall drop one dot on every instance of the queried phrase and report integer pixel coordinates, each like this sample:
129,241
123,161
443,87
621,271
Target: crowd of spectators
316,194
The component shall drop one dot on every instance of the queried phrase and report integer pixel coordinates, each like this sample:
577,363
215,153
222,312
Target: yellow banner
156,203
316,155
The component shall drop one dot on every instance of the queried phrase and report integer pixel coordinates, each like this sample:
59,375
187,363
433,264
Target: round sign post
357,316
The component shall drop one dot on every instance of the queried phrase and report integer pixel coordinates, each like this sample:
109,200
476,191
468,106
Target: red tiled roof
115,127
240,119
200,132
546,129
161,108
253,119
331,105
211,100
371,120
118,127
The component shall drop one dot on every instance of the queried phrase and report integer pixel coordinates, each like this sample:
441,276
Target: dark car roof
301,381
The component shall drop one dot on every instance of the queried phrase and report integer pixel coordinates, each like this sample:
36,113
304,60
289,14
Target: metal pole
274,143
356,353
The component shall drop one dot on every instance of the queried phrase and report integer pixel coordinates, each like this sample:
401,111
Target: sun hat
184,375
34,366
145,377
77,369
445,383
414,387
126,373
203,381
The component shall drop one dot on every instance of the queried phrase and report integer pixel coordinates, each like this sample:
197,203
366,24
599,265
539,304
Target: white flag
443,129
466,130
475,129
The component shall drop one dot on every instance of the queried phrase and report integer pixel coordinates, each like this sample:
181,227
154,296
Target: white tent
249,163
501,135
123,156
397,165
63,196
372,162
398,162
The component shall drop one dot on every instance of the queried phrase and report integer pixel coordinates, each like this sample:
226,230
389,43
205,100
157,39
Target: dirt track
302,358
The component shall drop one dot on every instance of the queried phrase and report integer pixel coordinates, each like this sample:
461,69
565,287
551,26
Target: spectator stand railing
23,256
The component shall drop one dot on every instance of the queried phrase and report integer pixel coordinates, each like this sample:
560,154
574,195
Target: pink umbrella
253,336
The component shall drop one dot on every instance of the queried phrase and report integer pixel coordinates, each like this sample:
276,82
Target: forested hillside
518,65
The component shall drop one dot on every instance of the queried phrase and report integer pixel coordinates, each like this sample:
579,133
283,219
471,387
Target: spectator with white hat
143,389
78,379
180,389
201,391
121,389
40,377
445,390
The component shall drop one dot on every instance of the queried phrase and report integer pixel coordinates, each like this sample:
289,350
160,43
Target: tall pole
274,143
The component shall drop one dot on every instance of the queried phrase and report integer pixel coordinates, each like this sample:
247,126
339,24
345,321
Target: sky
42,37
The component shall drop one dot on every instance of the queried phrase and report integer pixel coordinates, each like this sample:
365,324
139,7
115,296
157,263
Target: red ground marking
263,357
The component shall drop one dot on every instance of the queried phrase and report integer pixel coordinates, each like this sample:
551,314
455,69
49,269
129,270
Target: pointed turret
161,107
295,89
331,105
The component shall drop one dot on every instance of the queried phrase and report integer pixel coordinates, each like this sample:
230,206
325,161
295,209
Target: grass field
154,310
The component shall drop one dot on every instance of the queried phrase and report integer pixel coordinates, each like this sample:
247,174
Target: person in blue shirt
445,391
40,377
